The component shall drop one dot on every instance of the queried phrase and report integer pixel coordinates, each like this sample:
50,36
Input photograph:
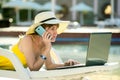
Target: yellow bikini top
7,65
19,54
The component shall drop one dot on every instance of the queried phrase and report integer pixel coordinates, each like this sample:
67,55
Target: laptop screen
98,48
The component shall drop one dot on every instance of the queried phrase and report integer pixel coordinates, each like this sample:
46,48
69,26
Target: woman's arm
33,62
49,64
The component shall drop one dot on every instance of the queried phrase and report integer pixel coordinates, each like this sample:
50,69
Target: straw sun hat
47,17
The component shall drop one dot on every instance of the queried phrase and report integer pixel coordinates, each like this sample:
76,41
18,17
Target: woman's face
53,31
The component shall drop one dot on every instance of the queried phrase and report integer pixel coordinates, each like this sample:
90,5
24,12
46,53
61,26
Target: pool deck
77,35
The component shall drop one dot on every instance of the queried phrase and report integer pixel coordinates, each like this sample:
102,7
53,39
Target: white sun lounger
22,73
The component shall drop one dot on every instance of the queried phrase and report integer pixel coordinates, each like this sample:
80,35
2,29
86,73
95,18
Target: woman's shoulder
30,38
26,39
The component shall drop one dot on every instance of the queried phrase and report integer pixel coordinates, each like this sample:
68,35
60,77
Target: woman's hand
46,40
71,62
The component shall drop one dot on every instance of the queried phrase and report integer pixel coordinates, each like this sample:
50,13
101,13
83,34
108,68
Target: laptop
97,52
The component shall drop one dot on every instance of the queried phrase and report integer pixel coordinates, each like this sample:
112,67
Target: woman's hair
48,25
45,26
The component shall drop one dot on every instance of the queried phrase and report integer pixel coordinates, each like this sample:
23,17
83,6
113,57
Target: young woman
33,50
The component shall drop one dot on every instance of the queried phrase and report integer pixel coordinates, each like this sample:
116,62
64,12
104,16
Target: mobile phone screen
40,30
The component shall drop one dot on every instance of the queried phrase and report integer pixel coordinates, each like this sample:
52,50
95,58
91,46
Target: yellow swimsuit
7,65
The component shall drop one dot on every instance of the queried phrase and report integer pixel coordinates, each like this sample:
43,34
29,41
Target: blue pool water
82,39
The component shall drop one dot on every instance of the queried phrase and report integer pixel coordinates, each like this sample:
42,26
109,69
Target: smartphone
40,30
